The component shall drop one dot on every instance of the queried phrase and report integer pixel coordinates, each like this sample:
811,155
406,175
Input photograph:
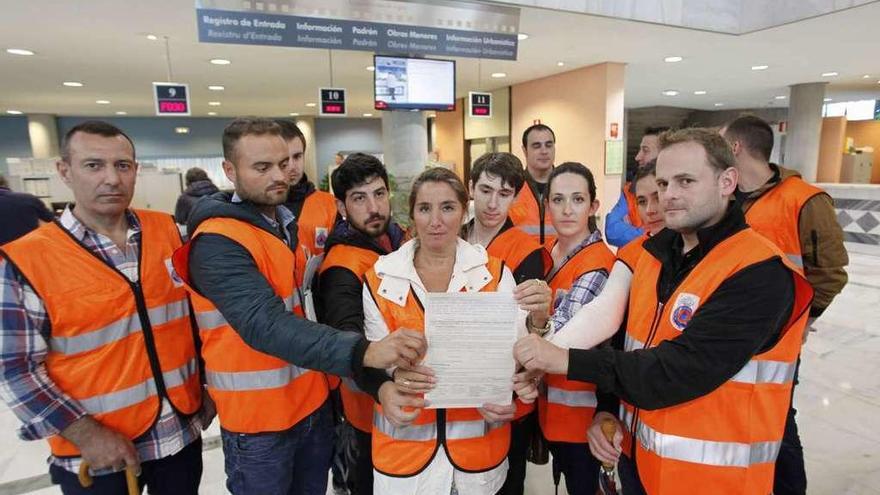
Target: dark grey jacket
193,193
224,272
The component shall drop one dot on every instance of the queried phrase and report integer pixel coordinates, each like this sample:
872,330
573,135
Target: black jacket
189,197
297,195
742,318
224,272
20,213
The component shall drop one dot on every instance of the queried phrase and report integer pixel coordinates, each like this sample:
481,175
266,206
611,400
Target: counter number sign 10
332,101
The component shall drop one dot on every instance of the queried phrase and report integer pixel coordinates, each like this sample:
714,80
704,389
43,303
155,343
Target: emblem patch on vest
683,309
321,234
175,278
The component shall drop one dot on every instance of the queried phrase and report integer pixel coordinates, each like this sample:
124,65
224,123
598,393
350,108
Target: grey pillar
43,131
405,146
804,128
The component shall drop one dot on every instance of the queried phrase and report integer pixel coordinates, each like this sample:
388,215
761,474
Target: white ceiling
103,44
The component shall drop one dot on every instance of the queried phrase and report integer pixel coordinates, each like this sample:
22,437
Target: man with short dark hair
528,212
263,360
623,224
713,333
20,213
197,185
315,210
800,219
356,242
97,342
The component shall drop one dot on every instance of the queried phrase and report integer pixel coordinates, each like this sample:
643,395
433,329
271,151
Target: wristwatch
537,330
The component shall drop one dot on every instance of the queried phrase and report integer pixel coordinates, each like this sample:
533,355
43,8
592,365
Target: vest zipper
654,324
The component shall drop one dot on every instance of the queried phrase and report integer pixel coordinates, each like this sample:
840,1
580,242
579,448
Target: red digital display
481,111
332,108
172,107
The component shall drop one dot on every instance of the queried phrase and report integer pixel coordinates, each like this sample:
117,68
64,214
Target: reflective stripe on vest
352,385
757,371
797,259
138,393
631,344
571,398
209,320
253,380
536,229
119,329
413,432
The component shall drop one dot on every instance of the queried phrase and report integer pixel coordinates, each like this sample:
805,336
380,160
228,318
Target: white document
470,348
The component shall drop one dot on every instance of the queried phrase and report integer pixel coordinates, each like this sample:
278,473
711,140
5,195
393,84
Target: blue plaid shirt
25,385
582,291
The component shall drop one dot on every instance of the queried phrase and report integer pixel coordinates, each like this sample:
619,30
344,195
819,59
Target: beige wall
831,149
867,133
579,106
497,125
449,137
307,126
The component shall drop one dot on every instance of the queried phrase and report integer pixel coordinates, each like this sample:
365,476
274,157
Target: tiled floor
838,402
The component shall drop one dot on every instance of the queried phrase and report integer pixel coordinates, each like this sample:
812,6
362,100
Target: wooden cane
85,479
609,428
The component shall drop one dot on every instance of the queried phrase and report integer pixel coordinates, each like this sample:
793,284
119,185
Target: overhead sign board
172,99
479,104
459,29
332,101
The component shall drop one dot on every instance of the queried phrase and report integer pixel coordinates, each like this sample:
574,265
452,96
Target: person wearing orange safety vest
495,180
581,265
315,210
623,223
434,450
528,210
265,364
715,319
800,219
355,244
98,344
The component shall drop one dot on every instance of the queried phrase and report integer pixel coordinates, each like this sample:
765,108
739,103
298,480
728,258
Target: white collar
398,273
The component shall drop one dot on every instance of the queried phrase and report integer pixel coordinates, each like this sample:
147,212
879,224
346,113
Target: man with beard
263,360
527,211
367,232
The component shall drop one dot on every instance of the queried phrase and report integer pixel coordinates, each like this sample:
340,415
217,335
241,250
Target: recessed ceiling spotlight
719,104
780,97
670,92
212,113
560,64
370,68
522,36
181,130
699,92
152,37
827,100
673,59
311,104
121,113
829,74
14,112
866,76
294,114
72,84
102,102
213,103
760,67
216,88
499,75
368,115
19,51
220,61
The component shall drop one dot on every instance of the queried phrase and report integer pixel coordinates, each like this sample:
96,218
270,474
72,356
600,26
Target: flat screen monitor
403,83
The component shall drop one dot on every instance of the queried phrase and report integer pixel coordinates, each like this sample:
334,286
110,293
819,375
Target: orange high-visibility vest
117,347
566,408
727,440
513,246
776,215
254,392
632,206
525,214
630,253
472,443
315,221
357,405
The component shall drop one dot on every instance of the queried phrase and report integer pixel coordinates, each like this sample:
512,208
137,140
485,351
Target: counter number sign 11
332,101
172,99
479,104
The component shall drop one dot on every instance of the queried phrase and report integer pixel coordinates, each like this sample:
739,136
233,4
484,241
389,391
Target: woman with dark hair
581,264
407,453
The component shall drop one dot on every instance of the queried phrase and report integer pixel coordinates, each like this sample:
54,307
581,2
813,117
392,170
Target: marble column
43,131
405,149
804,129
